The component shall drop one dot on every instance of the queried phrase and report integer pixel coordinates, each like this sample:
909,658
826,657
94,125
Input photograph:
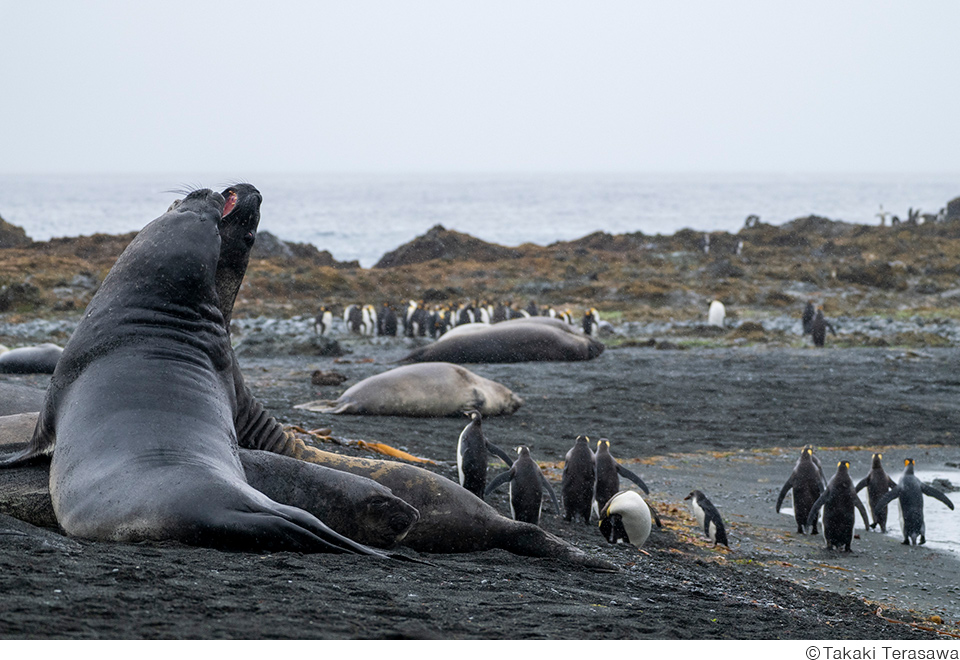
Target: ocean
361,217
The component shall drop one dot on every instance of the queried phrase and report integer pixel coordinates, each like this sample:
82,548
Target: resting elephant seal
536,339
16,399
431,389
452,519
143,404
40,359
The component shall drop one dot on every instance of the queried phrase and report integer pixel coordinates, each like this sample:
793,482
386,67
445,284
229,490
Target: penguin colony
417,319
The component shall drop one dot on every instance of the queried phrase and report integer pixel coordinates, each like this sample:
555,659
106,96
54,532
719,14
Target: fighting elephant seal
430,389
39,359
143,403
520,340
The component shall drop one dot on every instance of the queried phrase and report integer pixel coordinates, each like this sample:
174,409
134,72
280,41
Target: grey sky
479,86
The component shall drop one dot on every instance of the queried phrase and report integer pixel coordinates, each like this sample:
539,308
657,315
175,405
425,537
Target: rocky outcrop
12,236
441,243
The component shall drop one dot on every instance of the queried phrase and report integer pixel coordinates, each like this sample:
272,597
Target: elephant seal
143,403
16,399
452,519
536,339
40,359
431,389
357,507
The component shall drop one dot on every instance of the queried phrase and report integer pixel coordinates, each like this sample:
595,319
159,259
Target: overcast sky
458,86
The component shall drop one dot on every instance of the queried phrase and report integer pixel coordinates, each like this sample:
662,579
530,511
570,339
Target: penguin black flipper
888,497
653,512
553,495
499,480
783,492
862,484
933,492
863,511
496,451
635,478
815,509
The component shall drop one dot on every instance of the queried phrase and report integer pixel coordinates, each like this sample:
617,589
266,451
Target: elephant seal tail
332,406
530,540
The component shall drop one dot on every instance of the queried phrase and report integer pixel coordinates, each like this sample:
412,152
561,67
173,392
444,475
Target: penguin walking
839,501
818,328
579,480
626,518
527,484
472,450
910,492
608,472
877,483
807,485
708,517
387,325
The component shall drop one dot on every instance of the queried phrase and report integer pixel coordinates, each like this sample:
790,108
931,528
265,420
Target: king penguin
877,483
608,473
527,484
579,480
910,492
708,517
840,504
472,449
717,314
807,485
625,518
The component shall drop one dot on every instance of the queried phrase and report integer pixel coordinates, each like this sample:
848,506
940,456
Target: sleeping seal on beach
39,359
535,339
142,411
430,389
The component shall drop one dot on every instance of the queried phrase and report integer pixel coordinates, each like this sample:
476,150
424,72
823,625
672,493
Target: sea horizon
362,216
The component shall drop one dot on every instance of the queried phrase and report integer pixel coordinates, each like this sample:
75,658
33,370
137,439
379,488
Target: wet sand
727,421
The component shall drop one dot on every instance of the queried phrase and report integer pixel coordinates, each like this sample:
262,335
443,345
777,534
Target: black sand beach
727,421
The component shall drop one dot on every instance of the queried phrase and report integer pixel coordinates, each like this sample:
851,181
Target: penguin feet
905,542
923,539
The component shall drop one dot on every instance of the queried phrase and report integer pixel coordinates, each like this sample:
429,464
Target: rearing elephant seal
143,403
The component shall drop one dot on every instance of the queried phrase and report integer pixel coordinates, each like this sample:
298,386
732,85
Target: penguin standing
877,483
708,517
323,321
608,475
527,484
626,518
839,501
910,492
807,318
807,485
387,321
818,328
591,322
472,449
717,314
368,323
579,480
353,317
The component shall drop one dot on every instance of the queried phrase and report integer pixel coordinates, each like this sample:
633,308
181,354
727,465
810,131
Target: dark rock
269,246
877,274
20,295
440,243
321,378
